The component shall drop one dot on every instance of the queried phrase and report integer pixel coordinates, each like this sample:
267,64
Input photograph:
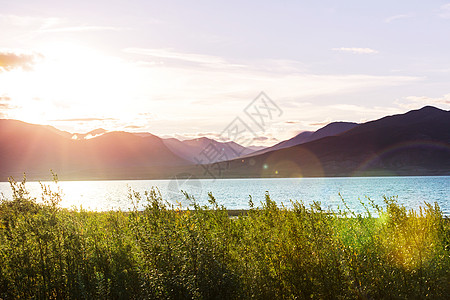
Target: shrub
164,252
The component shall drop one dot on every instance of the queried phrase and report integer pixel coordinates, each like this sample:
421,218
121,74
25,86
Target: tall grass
162,252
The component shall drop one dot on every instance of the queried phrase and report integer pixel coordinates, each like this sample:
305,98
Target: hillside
414,143
334,128
191,149
36,149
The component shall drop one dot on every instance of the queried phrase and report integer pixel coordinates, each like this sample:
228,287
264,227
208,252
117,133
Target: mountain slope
414,143
331,129
36,149
192,149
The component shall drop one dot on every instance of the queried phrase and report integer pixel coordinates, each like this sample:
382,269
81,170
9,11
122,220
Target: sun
79,73
70,80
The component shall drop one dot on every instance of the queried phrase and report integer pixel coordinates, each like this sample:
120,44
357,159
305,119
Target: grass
305,252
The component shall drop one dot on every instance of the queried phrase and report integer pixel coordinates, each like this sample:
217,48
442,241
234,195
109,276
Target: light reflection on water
234,193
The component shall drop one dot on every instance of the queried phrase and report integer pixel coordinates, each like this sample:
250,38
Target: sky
187,69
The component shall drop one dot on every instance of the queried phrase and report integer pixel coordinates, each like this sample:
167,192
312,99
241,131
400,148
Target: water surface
234,193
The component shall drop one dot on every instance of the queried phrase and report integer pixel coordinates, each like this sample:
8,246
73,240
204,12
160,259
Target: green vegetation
272,253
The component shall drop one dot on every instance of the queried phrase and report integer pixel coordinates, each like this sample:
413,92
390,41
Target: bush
163,252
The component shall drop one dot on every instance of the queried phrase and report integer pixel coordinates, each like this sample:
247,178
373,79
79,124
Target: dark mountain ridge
414,143
334,128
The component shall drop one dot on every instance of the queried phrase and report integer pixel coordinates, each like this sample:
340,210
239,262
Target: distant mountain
205,150
99,154
256,148
301,138
143,134
331,129
36,149
414,143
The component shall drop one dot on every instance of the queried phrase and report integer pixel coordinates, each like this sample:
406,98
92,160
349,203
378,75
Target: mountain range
331,129
414,143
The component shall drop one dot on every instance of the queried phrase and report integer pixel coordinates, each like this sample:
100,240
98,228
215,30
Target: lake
234,193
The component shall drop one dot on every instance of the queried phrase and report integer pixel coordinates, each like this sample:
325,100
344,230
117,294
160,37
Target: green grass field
272,252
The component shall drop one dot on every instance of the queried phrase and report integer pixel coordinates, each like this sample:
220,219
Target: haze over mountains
191,149
35,149
415,143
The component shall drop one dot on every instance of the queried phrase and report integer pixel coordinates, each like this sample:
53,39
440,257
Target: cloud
356,50
198,80
5,99
211,135
353,113
10,60
260,139
134,127
202,59
146,114
350,107
5,104
413,102
428,100
445,11
268,139
192,136
40,25
84,119
320,123
397,17
28,21
81,29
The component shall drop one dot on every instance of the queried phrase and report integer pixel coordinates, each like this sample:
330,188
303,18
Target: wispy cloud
356,50
292,122
361,109
445,11
193,136
39,25
322,123
134,127
84,119
10,60
397,17
289,81
5,104
262,140
80,29
28,21
412,102
428,100
209,60
5,99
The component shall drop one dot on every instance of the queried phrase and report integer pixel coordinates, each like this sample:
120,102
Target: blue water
234,193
